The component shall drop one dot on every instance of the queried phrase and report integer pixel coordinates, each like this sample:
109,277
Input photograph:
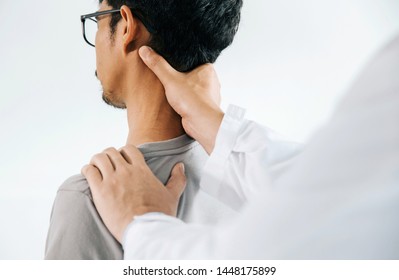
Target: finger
103,164
158,65
177,181
116,158
131,154
125,156
93,176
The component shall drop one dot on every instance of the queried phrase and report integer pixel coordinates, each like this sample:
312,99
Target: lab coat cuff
226,138
143,219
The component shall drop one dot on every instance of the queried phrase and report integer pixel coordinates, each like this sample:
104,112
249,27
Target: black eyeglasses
89,27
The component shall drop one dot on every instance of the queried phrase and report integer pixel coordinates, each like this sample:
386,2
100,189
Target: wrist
204,127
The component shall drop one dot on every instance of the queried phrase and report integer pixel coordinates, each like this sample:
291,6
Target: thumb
177,181
158,65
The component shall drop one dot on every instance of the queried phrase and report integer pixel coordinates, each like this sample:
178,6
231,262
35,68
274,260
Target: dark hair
187,33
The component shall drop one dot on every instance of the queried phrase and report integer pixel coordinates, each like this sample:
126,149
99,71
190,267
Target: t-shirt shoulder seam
172,152
83,192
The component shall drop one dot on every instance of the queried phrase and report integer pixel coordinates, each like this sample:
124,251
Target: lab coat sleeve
247,158
338,201
142,239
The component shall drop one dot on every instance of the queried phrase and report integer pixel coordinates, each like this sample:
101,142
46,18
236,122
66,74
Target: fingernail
182,167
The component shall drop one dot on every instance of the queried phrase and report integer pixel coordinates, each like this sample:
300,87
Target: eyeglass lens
91,30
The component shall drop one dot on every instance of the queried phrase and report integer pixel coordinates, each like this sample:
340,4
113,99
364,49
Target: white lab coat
338,199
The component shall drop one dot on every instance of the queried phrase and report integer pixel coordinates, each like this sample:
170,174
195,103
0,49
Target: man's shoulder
76,183
76,230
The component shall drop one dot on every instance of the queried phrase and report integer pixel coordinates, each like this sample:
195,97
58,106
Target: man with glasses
187,34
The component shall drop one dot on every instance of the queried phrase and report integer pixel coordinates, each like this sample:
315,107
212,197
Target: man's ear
130,29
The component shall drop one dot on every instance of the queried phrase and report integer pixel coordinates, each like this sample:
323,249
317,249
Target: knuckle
102,157
90,168
109,150
132,151
96,157
127,148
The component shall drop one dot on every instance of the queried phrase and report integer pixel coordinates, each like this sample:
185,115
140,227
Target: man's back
77,231
206,28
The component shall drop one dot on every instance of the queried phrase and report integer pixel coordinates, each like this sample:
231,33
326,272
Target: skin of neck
150,117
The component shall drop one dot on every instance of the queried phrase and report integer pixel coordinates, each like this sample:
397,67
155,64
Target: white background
289,64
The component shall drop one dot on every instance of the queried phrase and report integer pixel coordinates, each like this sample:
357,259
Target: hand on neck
150,117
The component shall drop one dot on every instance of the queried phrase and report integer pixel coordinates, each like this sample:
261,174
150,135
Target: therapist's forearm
142,239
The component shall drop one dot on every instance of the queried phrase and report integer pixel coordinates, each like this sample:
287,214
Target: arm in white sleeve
247,158
338,201
153,236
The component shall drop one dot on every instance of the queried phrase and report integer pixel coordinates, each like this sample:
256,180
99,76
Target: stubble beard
112,103
107,98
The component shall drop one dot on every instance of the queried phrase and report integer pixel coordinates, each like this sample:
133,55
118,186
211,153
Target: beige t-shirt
76,230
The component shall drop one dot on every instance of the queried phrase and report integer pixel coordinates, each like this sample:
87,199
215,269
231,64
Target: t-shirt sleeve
76,230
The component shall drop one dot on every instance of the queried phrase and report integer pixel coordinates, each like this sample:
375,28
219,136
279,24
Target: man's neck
150,117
